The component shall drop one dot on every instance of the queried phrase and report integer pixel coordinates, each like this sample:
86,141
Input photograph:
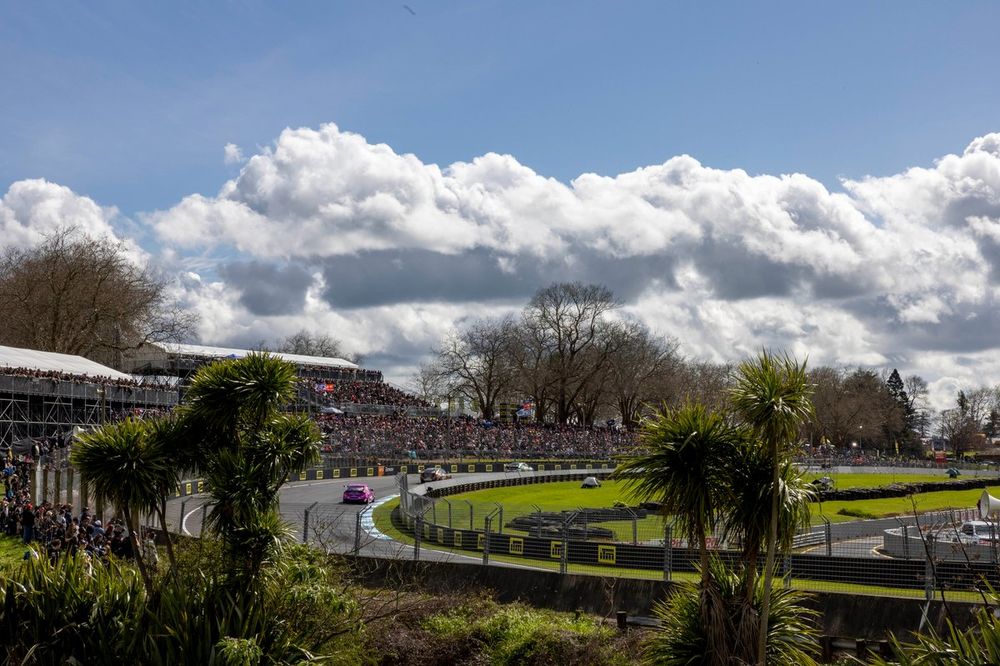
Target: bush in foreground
688,638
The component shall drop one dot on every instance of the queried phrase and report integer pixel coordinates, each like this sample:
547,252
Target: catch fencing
639,541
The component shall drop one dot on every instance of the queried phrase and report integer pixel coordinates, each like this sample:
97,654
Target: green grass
561,495
568,494
899,506
11,551
383,522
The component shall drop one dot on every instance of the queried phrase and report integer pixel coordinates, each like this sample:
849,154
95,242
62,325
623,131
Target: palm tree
684,468
246,449
750,484
122,464
771,396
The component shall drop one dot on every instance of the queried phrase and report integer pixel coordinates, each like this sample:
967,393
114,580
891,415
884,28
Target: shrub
856,513
687,638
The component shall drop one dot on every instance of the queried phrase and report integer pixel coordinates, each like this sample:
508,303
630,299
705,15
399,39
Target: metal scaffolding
40,406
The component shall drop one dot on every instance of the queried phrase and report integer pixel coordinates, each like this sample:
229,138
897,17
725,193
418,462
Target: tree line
578,358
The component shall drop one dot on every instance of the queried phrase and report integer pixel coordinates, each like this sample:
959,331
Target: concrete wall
847,615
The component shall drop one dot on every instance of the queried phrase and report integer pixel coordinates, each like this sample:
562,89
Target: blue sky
490,110
131,103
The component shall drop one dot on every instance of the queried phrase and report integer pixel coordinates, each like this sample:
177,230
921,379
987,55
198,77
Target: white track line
368,519
184,518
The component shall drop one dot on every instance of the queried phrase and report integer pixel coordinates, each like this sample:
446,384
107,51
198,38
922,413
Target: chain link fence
905,556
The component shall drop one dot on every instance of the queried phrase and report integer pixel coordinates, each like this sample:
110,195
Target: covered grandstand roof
225,352
15,357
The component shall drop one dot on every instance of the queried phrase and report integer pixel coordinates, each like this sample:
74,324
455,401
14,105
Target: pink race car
359,492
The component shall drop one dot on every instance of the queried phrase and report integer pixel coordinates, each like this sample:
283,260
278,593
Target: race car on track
433,473
359,493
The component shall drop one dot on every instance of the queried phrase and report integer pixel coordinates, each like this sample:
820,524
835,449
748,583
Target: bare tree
535,376
431,383
918,409
74,294
571,320
479,362
700,382
641,363
312,344
852,406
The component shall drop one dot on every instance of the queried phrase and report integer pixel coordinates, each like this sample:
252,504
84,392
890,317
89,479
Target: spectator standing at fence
28,523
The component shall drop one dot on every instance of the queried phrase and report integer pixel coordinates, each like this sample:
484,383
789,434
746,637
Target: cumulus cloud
324,229
33,209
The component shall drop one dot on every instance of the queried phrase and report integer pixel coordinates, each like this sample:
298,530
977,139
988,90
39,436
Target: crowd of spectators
52,530
56,375
336,393
322,373
398,436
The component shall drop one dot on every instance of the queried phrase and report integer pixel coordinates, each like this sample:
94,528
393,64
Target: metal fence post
69,486
828,536
305,522
357,530
449,510
486,540
564,553
418,532
786,565
635,528
180,519
500,509
929,569
471,515
668,550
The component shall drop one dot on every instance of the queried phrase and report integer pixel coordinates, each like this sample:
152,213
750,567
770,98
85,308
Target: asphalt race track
333,525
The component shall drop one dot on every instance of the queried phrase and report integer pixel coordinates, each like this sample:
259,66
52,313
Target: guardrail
641,546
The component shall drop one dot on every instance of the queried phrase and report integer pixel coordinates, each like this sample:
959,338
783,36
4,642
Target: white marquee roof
224,352
15,357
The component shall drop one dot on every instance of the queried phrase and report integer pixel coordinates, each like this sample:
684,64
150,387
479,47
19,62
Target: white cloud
32,209
899,267
232,154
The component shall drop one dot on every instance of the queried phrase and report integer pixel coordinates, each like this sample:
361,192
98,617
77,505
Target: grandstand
182,360
44,394
328,384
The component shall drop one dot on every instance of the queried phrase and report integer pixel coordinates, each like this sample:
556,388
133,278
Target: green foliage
685,638
749,484
516,634
855,512
772,396
977,645
50,614
238,652
684,466
247,449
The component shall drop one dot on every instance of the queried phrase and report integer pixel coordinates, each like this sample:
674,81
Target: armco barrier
195,486
415,515
458,488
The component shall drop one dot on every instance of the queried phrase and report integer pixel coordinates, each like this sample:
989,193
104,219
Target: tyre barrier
902,489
